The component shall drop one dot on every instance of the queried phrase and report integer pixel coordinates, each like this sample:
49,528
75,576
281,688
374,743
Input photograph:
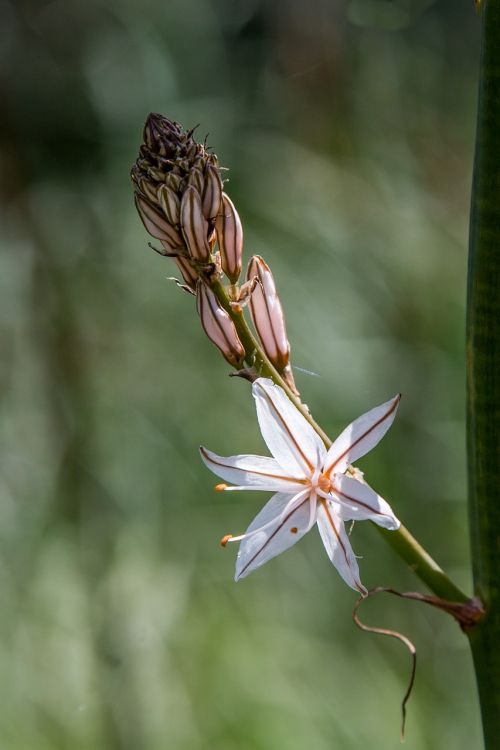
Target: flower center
324,483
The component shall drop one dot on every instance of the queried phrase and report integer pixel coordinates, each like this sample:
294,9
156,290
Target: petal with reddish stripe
251,472
358,502
277,527
337,544
360,436
294,444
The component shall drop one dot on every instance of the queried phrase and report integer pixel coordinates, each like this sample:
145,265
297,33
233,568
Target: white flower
312,485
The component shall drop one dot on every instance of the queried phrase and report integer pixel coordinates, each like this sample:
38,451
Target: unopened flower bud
230,239
268,317
174,181
218,326
156,224
149,190
196,179
212,192
194,225
170,204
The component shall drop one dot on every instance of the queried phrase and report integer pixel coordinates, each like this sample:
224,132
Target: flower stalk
178,192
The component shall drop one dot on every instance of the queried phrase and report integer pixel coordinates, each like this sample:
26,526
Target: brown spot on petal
294,529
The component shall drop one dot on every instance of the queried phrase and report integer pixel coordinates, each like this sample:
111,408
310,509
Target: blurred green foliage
348,126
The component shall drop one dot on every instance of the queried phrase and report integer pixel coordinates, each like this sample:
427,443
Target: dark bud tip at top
178,189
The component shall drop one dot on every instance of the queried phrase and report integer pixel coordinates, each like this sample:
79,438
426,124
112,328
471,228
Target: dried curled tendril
467,614
393,634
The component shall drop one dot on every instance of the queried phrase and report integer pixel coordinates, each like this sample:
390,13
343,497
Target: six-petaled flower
312,485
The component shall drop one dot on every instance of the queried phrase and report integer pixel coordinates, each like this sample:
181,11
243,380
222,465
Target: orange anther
294,529
225,540
220,487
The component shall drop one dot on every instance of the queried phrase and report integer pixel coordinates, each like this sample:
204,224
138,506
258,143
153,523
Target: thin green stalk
483,374
401,541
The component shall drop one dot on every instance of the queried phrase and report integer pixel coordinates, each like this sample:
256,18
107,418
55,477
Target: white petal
359,502
360,436
281,533
251,472
290,438
337,545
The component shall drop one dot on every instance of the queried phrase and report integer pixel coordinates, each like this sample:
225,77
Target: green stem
422,564
483,374
401,541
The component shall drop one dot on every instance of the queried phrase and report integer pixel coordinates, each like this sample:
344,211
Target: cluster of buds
179,196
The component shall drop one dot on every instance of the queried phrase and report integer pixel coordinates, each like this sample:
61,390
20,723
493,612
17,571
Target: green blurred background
348,129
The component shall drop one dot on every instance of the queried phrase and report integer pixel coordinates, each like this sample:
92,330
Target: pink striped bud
170,203
174,181
212,193
218,326
230,239
194,225
156,225
196,179
267,314
149,190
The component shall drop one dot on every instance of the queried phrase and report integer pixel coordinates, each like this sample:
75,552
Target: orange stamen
225,539
220,487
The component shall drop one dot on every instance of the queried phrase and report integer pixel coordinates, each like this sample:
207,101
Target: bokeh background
348,129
